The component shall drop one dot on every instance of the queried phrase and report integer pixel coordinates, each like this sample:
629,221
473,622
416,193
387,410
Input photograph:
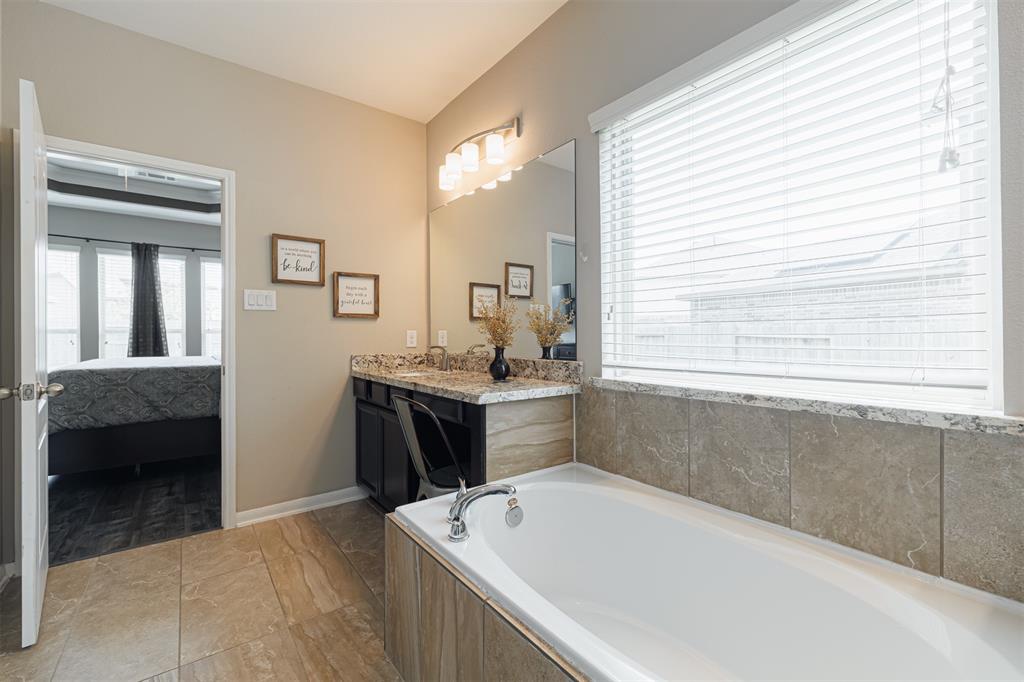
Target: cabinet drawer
444,408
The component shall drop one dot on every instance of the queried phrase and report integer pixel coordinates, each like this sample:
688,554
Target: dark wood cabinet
383,466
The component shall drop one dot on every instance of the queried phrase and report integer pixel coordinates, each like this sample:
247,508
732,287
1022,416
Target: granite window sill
978,423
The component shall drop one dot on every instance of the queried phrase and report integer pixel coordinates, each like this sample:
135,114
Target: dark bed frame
75,451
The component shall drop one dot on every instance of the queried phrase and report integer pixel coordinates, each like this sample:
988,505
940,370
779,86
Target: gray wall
306,163
591,52
98,225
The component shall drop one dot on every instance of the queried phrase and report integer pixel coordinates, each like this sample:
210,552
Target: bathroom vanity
496,429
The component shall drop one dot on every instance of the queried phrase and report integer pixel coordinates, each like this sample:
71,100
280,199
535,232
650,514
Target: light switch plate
442,337
259,299
410,338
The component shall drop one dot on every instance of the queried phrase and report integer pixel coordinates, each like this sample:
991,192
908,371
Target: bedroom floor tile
211,607
99,512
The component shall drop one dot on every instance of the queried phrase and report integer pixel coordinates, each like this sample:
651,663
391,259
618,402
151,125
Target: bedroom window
63,329
172,291
212,287
114,280
817,217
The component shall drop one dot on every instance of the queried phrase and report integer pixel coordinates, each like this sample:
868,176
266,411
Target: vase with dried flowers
548,325
499,324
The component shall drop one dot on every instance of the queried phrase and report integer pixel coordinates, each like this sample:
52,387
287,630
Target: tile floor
99,512
298,598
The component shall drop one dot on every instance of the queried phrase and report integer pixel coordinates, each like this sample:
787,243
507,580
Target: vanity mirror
521,230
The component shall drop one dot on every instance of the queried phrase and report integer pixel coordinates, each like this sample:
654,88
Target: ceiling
408,57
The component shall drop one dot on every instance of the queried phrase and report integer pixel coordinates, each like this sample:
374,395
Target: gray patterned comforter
132,390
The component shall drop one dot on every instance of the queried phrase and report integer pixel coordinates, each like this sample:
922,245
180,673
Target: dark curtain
147,336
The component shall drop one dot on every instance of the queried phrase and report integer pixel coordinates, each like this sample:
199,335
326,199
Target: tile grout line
181,587
942,502
74,616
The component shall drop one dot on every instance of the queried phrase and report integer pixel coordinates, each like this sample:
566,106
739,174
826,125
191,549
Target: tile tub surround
528,435
439,625
285,600
946,501
468,387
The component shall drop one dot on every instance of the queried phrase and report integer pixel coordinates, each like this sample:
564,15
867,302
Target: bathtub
629,582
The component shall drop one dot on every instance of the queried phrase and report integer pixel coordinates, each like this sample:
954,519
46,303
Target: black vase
499,366
545,353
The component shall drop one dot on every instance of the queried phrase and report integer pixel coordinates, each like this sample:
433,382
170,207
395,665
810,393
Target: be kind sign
297,260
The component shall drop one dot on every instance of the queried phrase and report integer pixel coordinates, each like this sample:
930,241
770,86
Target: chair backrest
404,407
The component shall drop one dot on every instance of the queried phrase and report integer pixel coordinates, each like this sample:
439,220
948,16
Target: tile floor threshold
295,598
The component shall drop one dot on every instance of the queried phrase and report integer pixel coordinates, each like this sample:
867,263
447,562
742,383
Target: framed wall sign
481,295
519,280
356,295
296,260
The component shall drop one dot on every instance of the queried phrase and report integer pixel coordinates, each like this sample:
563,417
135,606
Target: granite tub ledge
468,387
978,423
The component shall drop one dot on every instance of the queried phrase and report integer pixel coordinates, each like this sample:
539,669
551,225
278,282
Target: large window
63,330
816,217
212,286
172,292
114,275
114,282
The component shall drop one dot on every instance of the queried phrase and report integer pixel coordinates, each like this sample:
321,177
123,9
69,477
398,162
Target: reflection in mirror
521,232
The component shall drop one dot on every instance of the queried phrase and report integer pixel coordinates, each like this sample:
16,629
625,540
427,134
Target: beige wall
586,55
473,237
591,52
307,163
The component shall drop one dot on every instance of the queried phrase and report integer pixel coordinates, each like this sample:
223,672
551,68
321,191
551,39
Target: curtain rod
121,241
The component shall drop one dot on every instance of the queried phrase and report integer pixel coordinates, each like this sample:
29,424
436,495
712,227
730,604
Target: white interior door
33,393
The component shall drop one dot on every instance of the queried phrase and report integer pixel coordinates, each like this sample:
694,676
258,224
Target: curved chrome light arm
514,126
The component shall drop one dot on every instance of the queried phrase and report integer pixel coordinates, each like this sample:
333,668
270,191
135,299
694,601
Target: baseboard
303,504
7,572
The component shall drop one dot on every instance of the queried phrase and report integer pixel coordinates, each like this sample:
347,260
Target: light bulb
470,157
518,168
443,181
506,177
490,185
453,165
494,144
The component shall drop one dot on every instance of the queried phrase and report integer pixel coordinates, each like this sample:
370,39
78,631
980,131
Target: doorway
142,443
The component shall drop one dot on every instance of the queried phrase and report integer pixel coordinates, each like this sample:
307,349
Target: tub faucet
457,513
445,364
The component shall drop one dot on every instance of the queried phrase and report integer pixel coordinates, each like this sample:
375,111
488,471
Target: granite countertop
469,387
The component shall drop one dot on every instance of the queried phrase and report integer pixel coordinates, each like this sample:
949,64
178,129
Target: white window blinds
114,284
817,215
212,276
172,294
63,327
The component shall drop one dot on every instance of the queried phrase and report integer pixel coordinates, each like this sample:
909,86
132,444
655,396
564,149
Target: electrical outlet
442,337
410,338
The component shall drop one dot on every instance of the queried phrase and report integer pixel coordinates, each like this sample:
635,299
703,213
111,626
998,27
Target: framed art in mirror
481,295
519,280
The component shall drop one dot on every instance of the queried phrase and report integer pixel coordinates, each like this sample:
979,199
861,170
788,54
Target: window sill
979,423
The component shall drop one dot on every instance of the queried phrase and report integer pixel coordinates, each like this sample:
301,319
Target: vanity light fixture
490,185
465,156
443,181
453,165
470,156
506,177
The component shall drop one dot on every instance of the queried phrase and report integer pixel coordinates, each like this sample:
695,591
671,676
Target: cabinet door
368,442
399,482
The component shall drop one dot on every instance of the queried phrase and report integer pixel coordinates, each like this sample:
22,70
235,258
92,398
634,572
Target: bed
134,411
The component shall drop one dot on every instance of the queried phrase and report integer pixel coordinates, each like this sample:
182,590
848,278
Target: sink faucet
445,364
472,349
457,513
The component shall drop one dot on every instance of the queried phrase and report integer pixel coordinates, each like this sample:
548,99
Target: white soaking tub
630,582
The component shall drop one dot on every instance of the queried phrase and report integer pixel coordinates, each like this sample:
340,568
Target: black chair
434,481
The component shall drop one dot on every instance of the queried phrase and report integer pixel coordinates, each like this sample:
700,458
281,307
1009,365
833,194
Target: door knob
22,392
51,391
